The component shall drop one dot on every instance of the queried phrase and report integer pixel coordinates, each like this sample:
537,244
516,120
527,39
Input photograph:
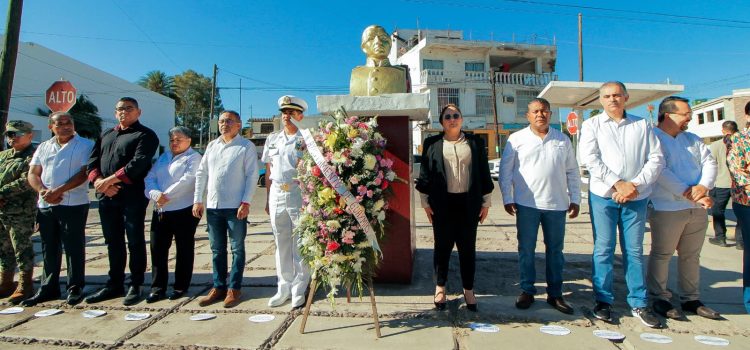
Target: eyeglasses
686,114
12,134
125,109
452,116
228,121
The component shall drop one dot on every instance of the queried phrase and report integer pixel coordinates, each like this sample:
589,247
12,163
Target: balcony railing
439,76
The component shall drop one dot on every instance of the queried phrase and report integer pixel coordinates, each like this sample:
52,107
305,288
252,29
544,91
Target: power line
589,15
626,11
146,35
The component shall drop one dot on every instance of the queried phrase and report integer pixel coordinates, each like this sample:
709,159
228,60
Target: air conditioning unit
509,99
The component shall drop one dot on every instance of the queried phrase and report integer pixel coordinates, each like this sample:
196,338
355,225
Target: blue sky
308,48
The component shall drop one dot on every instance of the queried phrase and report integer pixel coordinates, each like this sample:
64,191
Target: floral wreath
344,177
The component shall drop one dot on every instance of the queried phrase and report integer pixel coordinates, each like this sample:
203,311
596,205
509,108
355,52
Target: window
446,96
266,128
474,66
709,116
484,102
720,113
432,64
523,97
701,118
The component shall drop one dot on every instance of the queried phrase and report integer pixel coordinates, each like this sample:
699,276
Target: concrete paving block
7,320
263,262
527,336
71,325
265,278
30,346
227,330
680,340
359,333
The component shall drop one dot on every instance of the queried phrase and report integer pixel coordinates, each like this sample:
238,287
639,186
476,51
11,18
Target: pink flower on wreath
351,120
385,162
369,193
358,198
332,246
348,237
354,180
316,171
362,190
377,181
363,126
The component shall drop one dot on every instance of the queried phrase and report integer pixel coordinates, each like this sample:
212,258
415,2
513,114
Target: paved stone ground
407,318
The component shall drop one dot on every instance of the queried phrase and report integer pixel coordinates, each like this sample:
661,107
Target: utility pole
211,104
240,95
580,47
8,60
493,72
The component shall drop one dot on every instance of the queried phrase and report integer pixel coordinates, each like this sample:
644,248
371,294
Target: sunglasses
451,116
12,134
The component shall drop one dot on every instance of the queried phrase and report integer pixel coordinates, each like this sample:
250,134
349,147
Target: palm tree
159,82
85,116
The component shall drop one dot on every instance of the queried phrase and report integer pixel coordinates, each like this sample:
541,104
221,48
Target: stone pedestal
395,115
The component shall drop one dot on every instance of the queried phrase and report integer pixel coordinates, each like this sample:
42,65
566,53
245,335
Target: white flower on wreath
333,224
381,216
370,161
378,205
338,158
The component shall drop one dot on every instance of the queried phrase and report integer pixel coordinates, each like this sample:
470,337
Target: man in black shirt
119,163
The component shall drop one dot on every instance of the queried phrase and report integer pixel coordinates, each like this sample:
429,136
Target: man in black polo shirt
119,163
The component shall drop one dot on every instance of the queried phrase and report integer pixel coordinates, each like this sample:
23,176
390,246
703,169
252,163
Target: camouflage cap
19,126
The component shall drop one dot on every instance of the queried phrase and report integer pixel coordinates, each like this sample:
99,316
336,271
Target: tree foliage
85,116
159,82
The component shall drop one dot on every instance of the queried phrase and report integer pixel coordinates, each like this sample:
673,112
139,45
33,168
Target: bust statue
377,76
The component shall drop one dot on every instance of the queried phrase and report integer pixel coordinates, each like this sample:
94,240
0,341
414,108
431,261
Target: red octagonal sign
61,96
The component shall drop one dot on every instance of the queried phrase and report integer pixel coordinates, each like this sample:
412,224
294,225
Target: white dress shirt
175,178
282,152
627,151
228,172
688,163
61,162
540,172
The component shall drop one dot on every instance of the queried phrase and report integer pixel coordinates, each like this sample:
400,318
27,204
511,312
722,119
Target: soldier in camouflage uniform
17,209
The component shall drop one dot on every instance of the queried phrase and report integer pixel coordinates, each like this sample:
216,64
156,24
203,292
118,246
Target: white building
708,116
454,70
37,67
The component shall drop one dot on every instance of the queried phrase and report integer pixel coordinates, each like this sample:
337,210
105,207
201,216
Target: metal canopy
585,94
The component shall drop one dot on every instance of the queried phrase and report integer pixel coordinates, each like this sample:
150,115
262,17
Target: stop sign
572,123
61,96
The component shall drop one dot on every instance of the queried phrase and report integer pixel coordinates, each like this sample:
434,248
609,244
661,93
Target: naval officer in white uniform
281,154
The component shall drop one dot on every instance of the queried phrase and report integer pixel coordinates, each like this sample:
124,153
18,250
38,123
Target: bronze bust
377,76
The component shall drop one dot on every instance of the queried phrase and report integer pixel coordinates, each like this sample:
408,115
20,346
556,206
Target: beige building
708,116
455,70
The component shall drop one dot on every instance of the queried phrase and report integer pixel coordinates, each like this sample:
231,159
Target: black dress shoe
665,309
155,296
75,296
39,297
524,300
176,294
696,307
105,293
560,305
133,296
603,311
721,242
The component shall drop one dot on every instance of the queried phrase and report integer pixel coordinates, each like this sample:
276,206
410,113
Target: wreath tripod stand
313,287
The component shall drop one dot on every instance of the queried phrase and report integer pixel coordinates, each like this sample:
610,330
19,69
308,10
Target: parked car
262,174
494,168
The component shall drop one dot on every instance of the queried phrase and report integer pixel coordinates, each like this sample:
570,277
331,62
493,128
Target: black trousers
721,197
120,218
63,226
181,225
455,226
